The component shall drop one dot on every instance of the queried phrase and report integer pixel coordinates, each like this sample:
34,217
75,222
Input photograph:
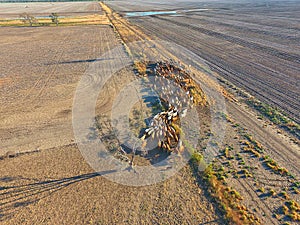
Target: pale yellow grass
79,20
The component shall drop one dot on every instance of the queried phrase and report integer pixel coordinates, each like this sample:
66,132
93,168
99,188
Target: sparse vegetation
256,149
270,163
243,184
272,192
291,210
141,67
227,152
54,18
275,116
28,19
228,198
262,190
284,194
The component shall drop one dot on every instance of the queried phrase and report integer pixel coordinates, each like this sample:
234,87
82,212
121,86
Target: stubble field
8,10
253,45
45,180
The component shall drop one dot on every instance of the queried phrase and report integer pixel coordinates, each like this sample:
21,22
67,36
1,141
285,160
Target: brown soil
36,106
44,178
56,186
9,10
245,44
277,144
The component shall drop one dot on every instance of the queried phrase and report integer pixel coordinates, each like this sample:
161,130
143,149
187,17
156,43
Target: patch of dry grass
78,20
229,199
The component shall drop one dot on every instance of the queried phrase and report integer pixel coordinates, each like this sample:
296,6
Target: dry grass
291,209
141,67
91,19
229,199
78,20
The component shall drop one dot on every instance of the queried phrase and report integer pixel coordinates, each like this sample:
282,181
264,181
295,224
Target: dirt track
252,62
247,44
56,186
40,82
44,179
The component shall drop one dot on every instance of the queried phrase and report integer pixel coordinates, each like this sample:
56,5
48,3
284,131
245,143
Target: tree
26,18
54,18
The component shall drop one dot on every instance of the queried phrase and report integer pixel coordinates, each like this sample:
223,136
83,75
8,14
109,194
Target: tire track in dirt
250,189
281,44
273,144
51,73
259,202
252,193
155,32
282,147
211,59
263,206
58,55
217,64
270,50
253,20
244,28
247,186
135,44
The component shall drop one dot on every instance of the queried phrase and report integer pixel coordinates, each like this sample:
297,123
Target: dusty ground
56,186
8,10
89,198
255,46
209,40
40,81
44,178
278,146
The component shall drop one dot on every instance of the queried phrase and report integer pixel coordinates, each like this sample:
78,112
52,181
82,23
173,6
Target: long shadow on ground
13,198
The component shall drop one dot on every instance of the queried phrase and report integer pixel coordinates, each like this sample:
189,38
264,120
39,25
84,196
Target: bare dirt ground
255,46
8,10
248,67
277,146
40,80
44,178
57,187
